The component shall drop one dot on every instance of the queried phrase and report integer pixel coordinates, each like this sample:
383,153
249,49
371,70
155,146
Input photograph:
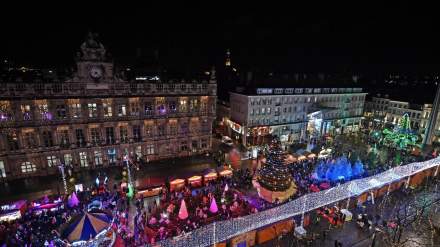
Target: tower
228,58
93,62
432,119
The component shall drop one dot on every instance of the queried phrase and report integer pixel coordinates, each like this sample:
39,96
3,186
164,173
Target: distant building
294,114
388,112
95,117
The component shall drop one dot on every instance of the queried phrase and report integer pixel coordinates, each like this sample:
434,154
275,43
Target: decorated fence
224,230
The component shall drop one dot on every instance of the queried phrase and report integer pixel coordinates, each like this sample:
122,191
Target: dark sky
270,35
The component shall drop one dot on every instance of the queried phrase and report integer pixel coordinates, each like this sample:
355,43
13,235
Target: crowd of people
159,221
41,227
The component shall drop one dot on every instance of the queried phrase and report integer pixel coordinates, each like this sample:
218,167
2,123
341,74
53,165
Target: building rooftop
296,90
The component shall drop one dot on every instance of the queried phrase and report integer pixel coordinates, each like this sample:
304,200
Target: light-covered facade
94,118
386,111
295,114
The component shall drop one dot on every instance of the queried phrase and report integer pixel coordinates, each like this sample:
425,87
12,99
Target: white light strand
227,229
63,175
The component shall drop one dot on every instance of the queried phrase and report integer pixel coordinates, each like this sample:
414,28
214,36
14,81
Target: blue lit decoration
358,169
336,170
320,171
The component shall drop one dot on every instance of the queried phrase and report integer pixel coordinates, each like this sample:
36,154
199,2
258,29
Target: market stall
226,173
210,176
311,156
46,203
177,184
302,158
195,181
149,191
12,211
325,153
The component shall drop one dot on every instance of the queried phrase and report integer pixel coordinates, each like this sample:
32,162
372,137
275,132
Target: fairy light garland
225,230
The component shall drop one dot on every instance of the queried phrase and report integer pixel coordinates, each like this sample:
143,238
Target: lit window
83,159
138,152
148,109
68,159
98,158
44,112
2,169
95,136
93,110
75,110
26,111
51,161
134,109
107,109
183,105
150,149
28,167
122,110
123,134
111,153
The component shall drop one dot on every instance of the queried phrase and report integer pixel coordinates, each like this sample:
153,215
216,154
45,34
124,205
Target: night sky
313,37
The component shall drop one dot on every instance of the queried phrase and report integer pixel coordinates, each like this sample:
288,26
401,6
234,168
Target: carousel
89,229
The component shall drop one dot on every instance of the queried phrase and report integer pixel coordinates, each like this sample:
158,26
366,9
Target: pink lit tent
213,208
183,212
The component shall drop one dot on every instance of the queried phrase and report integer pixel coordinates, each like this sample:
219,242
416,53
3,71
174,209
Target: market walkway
351,235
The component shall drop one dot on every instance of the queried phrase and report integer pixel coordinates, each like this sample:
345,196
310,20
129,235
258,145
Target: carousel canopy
87,226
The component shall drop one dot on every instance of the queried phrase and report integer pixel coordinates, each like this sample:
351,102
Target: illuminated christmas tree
274,181
401,137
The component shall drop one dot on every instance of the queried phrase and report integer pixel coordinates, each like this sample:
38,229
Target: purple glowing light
47,116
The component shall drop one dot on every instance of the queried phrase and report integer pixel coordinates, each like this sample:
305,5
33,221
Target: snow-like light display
335,170
224,230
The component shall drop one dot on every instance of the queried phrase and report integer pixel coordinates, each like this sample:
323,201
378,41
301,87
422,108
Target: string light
63,176
275,175
223,230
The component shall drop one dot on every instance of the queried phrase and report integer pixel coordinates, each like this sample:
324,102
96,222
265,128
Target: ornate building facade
95,117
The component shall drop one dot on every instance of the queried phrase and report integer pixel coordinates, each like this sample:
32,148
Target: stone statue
92,49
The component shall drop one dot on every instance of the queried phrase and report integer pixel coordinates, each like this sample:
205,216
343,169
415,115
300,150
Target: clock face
96,72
